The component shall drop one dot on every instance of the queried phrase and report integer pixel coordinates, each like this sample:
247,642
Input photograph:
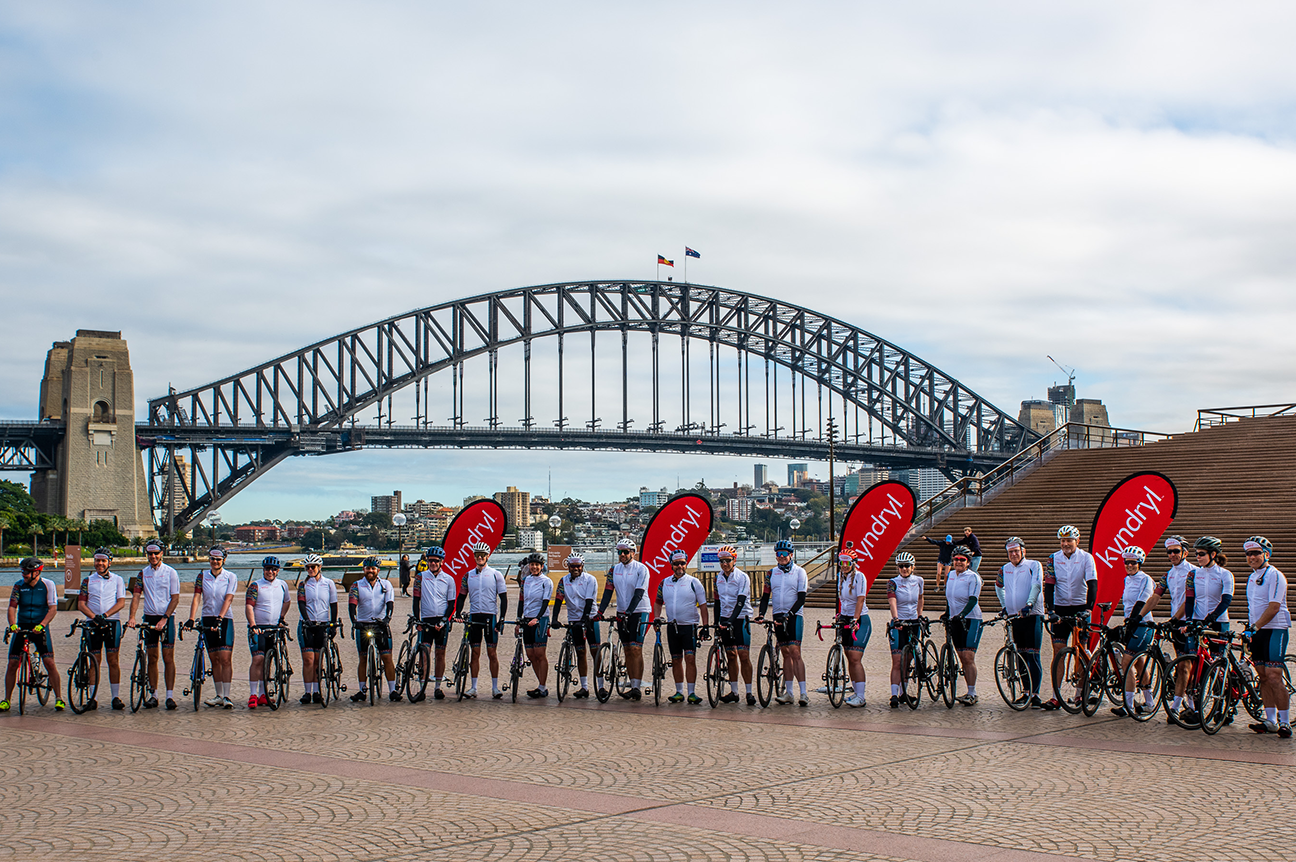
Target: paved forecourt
536,780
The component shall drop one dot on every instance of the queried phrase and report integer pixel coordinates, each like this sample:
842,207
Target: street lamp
554,523
399,520
795,524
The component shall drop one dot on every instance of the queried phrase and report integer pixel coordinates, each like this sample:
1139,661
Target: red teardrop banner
483,521
1135,513
683,524
876,524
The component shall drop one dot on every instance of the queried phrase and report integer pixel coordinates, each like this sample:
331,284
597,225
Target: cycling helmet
481,548
217,552
728,551
1014,542
846,556
961,551
153,547
103,554
1208,543
678,556
1134,553
575,560
436,552
1068,532
783,545
536,557
904,558
1176,542
273,563
1258,543
313,560
371,563
31,564
625,545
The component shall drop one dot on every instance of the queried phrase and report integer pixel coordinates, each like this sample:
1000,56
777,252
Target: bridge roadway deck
493,780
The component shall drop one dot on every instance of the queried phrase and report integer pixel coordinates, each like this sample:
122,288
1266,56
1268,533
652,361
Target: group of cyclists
1058,596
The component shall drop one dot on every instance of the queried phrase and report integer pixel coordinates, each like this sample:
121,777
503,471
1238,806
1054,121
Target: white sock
802,683
1129,700
895,691
391,685
787,683
1283,716
749,685
116,688
1271,713
635,683
170,694
474,683
971,691
494,683
1147,697
679,688
598,682
859,690
584,682
692,687
93,688
1174,704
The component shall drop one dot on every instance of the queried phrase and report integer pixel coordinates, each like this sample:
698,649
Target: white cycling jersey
102,592
371,599
1265,586
435,595
1209,585
960,588
214,589
484,587
680,598
268,599
158,584
907,591
625,579
1071,575
535,593
784,587
319,594
576,592
1176,582
850,588
1138,588
1019,582
729,588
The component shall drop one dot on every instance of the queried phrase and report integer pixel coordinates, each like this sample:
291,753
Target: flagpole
686,264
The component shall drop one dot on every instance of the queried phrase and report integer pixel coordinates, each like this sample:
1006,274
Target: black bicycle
919,662
200,669
612,661
519,662
414,666
567,671
139,683
948,667
277,667
82,675
371,631
1225,682
460,669
661,662
1012,674
769,667
835,676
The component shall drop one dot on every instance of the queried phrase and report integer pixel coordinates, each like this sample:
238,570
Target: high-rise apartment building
653,499
797,474
762,476
517,507
386,504
738,509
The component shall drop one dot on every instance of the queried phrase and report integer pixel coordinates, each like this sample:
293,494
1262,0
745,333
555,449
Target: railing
818,568
973,490
1212,416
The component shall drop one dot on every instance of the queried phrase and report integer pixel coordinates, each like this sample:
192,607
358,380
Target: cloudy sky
1110,183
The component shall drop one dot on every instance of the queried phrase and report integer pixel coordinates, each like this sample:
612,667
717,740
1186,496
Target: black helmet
535,557
31,564
271,563
103,554
1208,543
370,562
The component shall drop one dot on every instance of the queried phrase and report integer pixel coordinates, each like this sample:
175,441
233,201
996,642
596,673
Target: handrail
1072,435
1207,416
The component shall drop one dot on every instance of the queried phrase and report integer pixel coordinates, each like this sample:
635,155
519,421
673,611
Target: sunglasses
1255,553
623,551
1203,553
1172,551
904,566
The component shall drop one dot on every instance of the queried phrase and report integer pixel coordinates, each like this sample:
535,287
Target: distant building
655,499
762,475
257,533
532,539
797,474
517,506
738,509
386,504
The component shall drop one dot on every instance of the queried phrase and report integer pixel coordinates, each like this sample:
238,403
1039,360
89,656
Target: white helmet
313,560
574,559
904,558
1068,532
625,545
1134,553
481,548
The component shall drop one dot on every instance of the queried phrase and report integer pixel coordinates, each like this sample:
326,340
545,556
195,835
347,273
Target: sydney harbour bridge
621,365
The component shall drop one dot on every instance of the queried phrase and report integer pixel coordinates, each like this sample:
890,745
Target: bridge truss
671,363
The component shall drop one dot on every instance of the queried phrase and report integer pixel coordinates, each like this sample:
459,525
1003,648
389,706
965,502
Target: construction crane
1070,373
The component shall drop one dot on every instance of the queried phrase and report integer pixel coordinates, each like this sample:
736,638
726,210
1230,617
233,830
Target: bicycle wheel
515,670
373,670
617,677
1250,691
1092,687
1146,672
40,680
1068,679
911,685
461,668
949,675
602,660
197,673
324,674
716,672
79,676
1213,702
563,672
658,671
766,679
138,682
1013,678
404,667
1288,661
835,676
285,672
1185,666
24,671
273,678
422,673
930,671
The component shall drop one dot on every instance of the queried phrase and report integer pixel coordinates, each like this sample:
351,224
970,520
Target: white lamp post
399,521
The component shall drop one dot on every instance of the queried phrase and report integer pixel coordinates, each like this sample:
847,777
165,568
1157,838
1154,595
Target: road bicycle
200,668
1070,668
1190,667
329,668
139,682
716,673
32,676
948,666
769,667
519,662
1012,674
1148,670
1225,682
919,662
567,670
835,677
460,668
83,675
414,666
371,631
612,661
277,667
1105,674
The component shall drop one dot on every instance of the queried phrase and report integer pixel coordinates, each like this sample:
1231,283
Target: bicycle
948,666
919,663
1224,683
835,676
1012,675
1147,671
1104,675
201,667
717,668
1190,666
329,669
32,675
139,683
85,665
413,667
660,663
612,658
277,668
769,667
460,668
566,672
1070,668
519,662
373,659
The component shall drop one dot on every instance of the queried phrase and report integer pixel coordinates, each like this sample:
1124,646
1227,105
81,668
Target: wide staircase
1234,480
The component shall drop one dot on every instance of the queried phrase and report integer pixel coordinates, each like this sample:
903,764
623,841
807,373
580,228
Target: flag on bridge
661,261
688,252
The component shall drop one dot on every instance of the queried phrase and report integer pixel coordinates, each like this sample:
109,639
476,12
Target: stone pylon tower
89,386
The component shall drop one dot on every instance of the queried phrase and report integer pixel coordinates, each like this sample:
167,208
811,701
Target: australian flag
688,252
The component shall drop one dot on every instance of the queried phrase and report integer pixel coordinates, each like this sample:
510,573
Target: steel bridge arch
254,419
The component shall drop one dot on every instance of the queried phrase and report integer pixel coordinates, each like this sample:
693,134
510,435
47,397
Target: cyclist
1020,588
1268,619
482,587
214,591
578,588
1211,588
317,606
682,600
628,579
1138,629
1176,583
103,595
265,605
853,614
434,601
963,609
787,586
535,589
1070,588
732,607
905,598
371,603
33,603
157,587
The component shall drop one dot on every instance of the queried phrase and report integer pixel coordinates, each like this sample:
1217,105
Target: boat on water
348,558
